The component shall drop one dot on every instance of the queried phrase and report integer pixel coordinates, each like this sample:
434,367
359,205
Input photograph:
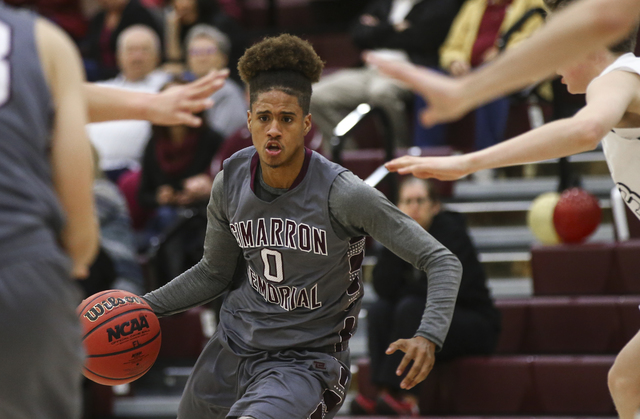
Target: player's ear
307,123
249,119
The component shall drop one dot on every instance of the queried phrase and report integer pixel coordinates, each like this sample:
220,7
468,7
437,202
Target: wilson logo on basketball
95,312
128,327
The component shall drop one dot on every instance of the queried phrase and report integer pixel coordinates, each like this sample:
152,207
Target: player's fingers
406,359
422,371
207,85
398,163
418,359
429,118
394,346
189,119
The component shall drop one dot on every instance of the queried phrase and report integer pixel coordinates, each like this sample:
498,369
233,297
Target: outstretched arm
174,106
608,98
572,33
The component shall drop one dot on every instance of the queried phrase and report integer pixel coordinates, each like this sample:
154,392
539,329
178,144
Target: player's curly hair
285,63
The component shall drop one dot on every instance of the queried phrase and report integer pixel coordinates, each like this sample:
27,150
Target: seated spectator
183,15
117,239
473,41
408,30
116,265
175,174
99,45
402,291
121,143
208,49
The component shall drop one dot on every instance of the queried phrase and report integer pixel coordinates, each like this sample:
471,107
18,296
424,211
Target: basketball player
48,231
289,227
572,34
610,77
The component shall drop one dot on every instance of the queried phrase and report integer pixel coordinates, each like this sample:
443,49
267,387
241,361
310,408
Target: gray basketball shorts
40,341
290,384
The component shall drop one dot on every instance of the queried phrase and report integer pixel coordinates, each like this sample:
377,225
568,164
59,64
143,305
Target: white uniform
622,146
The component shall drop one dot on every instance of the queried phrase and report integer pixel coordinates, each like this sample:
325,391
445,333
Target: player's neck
283,176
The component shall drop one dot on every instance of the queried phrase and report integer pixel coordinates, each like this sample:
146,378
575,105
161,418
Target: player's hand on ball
419,350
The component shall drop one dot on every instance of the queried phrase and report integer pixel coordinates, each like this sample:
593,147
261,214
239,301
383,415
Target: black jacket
394,278
430,22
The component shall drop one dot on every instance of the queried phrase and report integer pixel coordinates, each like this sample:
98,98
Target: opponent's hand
419,350
443,168
444,95
177,105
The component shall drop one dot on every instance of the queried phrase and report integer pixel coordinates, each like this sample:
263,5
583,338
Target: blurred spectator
182,15
403,29
99,46
473,41
116,235
121,143
402,292
175,174
116,264
208,49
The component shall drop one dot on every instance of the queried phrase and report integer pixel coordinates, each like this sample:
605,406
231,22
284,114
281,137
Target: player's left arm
608,98
403,236
174,106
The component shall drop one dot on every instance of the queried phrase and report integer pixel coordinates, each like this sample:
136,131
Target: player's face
577,76
415,202
278,127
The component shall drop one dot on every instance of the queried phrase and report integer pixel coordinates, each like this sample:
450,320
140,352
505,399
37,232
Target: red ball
576,215
121,336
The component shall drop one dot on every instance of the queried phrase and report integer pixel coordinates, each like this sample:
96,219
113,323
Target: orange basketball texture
121,336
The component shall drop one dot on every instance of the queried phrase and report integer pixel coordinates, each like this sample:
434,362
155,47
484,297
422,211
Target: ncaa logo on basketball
128,327
99,309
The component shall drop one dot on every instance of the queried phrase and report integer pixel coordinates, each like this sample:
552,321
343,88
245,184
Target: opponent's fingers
207,85
399,163
416,170
189,119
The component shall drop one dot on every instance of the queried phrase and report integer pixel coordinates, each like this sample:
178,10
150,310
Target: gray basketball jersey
301,286
30,214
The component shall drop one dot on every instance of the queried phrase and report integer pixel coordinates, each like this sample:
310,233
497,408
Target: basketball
121,336
576,215
540,218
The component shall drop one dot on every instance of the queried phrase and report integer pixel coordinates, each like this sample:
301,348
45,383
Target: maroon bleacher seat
627,261
183,334
574,385
488,385
580,269
572,325
629,317
514,323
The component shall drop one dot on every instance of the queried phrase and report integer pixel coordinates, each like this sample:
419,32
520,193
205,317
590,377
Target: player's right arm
571,34
608,98
212,275
174,106
70,153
